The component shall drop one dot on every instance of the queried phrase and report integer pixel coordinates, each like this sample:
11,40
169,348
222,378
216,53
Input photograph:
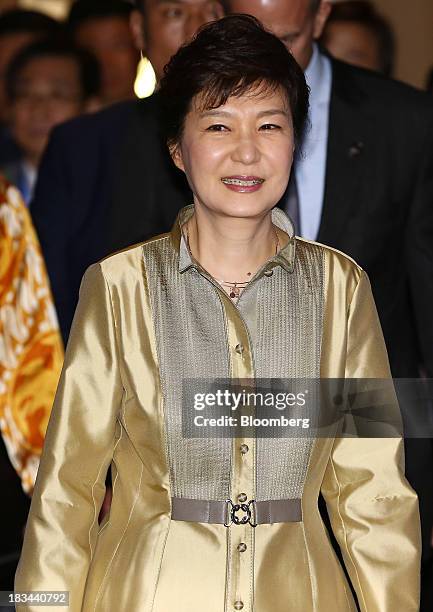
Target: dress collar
284,258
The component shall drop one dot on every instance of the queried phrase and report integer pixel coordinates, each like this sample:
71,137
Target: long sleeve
372,508
63,522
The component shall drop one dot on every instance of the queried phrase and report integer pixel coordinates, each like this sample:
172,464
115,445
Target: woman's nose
246,150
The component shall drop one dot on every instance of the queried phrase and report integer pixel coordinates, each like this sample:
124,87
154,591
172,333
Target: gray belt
228,513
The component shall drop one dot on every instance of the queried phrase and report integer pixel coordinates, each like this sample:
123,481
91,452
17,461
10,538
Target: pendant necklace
236,287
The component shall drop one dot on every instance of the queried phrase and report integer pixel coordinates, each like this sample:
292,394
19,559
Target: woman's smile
243,184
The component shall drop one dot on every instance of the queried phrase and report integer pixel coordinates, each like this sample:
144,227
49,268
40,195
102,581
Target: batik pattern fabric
31,350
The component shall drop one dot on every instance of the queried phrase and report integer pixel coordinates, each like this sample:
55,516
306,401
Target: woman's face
237,157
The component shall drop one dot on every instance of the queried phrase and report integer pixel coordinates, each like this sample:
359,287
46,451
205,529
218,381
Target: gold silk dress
149,318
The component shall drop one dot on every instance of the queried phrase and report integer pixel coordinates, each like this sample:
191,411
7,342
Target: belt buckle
232,510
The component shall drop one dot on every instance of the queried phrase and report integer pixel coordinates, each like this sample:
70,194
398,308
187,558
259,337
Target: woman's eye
270,126
217,127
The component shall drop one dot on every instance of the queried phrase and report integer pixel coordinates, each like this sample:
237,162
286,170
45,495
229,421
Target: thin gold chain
236,286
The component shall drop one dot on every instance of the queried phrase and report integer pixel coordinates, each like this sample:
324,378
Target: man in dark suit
371,166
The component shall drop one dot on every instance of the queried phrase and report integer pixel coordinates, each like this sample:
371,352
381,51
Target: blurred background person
165,26
31,356
17,29
47,83
357,34
97,164
103,27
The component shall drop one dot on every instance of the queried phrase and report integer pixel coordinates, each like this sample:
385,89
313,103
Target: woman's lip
238,177
243,188
243,184
239,189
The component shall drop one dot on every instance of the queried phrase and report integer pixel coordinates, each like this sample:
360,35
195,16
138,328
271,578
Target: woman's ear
176,155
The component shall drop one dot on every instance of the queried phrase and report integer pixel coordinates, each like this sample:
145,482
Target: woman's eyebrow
263,113
215,113
272,111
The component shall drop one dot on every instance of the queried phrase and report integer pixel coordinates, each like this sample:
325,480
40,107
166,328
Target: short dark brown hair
229,57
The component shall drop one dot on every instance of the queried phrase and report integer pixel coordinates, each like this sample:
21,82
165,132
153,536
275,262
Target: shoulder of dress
327,251
334,259
129,260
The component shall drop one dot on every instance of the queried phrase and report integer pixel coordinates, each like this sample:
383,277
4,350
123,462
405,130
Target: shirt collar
317,79
284,258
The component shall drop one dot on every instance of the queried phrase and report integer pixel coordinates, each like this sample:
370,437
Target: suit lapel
349,147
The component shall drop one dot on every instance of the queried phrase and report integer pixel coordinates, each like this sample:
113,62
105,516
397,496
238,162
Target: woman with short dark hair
204,520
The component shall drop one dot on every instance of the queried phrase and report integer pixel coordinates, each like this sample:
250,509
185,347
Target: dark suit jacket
378,204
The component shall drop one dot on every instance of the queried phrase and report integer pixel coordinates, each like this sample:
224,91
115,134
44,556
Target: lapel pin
356,149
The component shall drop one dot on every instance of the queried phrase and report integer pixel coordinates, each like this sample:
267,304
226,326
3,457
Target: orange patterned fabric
31,350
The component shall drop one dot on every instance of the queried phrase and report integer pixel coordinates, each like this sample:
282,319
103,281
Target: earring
145,82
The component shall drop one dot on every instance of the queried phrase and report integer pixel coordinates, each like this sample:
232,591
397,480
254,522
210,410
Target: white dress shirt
310,164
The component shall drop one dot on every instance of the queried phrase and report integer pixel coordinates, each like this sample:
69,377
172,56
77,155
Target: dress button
242,497
244,448
239,349
242,547
239,605
269,273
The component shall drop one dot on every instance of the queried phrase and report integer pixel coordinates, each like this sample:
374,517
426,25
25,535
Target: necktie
290,202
